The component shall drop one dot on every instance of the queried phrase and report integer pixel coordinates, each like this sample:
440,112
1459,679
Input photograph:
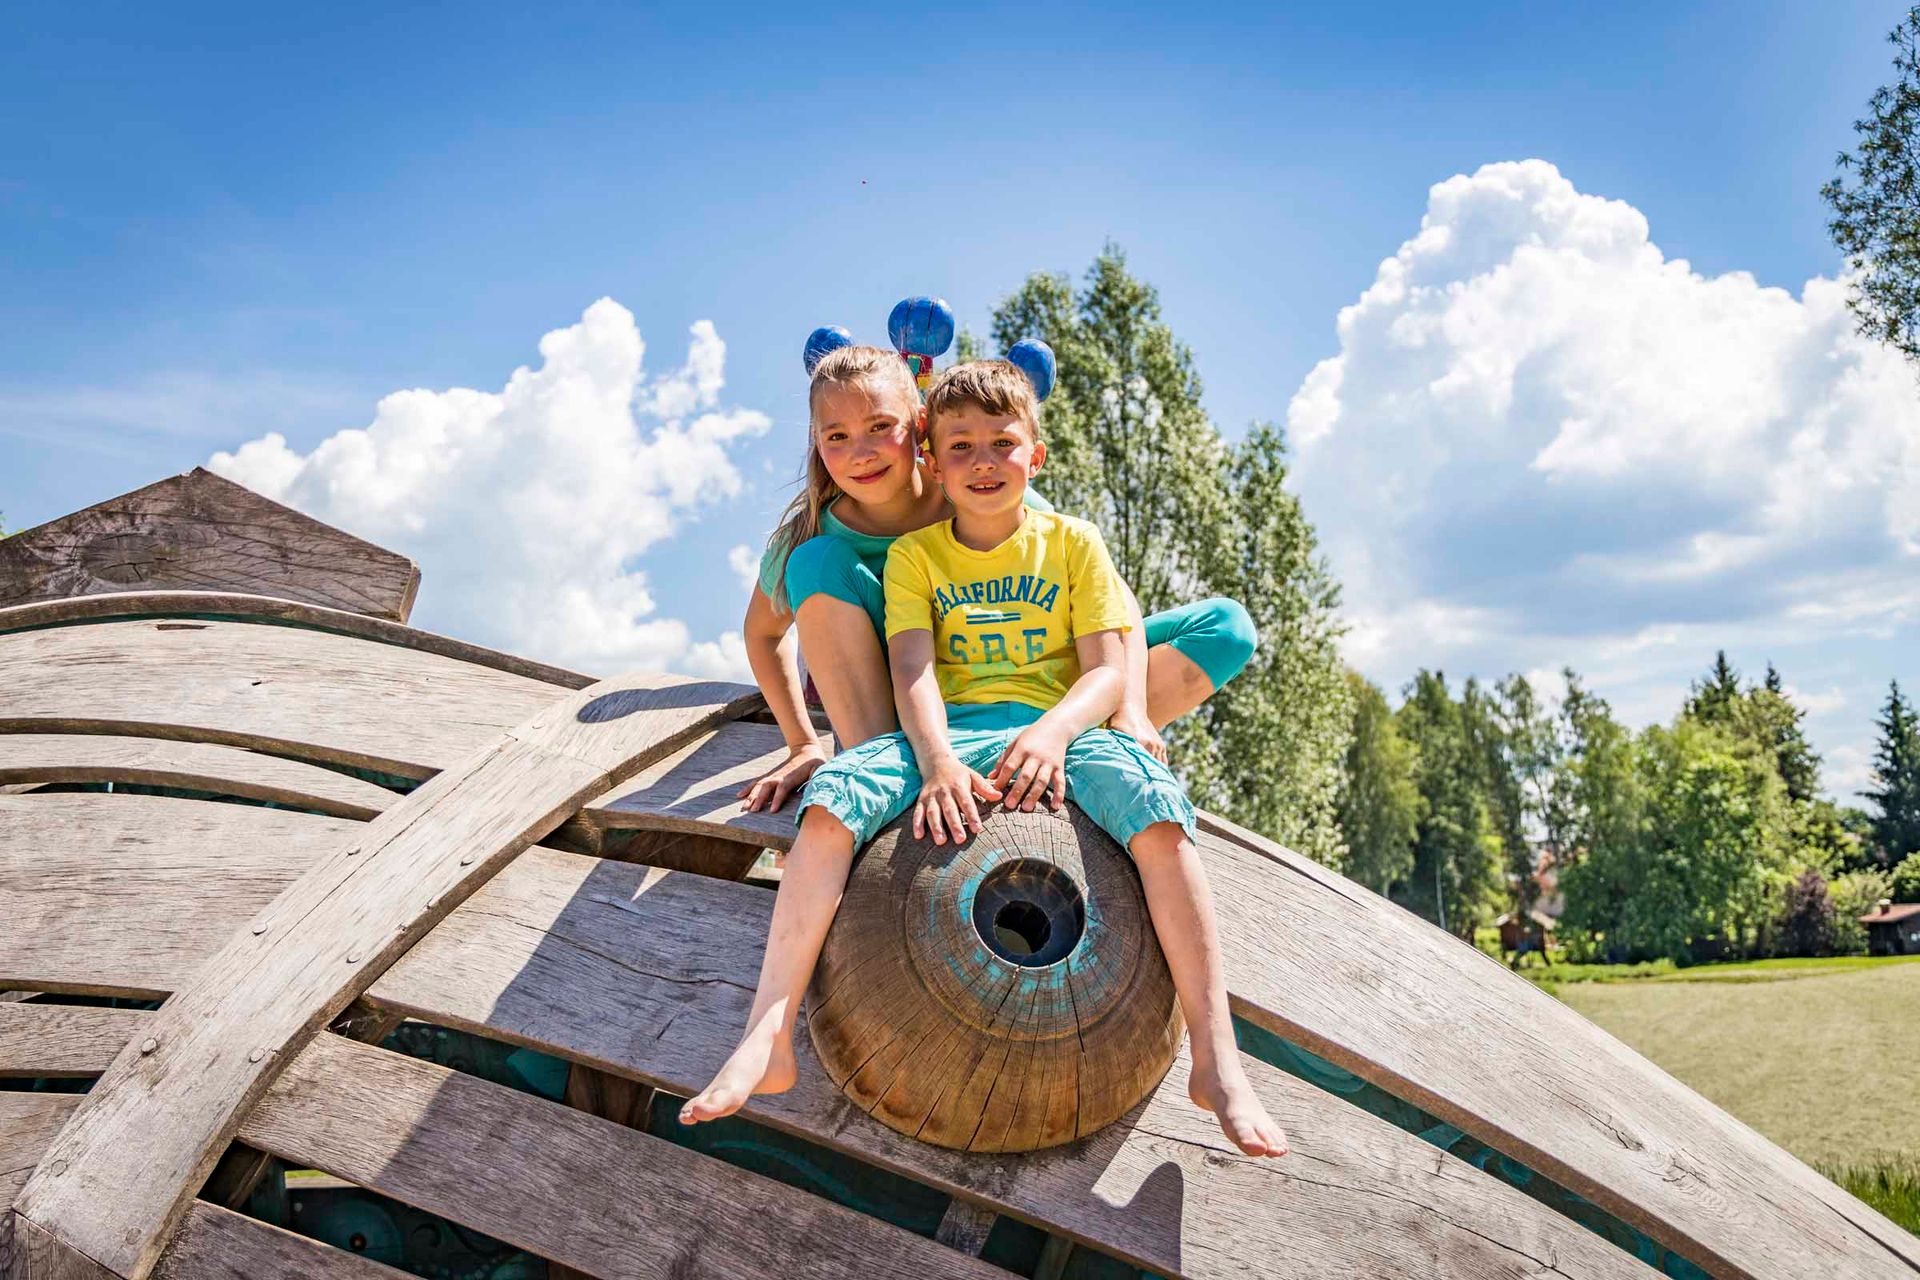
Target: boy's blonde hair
878,372
993,386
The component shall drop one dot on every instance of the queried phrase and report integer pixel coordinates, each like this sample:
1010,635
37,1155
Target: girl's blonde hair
878,371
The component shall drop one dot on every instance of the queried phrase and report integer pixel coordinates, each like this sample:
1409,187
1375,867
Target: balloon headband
921,330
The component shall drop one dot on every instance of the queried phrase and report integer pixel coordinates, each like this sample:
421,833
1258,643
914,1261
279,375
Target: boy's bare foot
763,1063
1227,1093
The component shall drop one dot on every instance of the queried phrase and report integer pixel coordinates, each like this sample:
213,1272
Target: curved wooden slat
194,766
295,691
1454,1031
649,974
584,1192
122,1171
129,895
202,530
239,606
219,1244
50,1040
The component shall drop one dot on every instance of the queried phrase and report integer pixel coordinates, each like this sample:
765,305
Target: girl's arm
1035,766
1131,718
948,789
773,654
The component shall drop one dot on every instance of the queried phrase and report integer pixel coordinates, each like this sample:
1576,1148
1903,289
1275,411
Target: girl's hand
1034,766
1136,726
771,790
947,805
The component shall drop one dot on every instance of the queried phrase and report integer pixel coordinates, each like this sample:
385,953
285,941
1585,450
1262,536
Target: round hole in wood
1029,912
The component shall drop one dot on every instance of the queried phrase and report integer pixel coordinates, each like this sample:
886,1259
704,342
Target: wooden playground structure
234,782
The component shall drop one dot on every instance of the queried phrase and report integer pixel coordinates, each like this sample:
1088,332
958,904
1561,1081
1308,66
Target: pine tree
1896,773
1378,803
1715,699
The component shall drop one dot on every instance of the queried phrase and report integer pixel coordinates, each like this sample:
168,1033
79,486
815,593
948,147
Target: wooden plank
195,766
649,974
122,1171
129,895
295,692
200,530
696,789
1454,1031
965,1227
219,1244
52,1040
28,1123
240,606
29,1253
581,1191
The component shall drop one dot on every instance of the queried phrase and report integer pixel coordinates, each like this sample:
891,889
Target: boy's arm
1037,757
1131,719
948,789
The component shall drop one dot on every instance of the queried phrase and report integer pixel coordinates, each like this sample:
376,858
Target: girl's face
869,440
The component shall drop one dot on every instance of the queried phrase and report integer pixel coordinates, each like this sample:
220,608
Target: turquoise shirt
872,548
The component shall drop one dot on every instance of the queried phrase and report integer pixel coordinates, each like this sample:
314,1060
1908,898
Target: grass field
1821,1056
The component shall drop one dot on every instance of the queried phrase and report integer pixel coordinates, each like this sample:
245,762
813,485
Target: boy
1004,631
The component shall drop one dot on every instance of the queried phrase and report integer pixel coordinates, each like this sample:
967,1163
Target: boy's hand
947,806
771,789
1034,766
1136,726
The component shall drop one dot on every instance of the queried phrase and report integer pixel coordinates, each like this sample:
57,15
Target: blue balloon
921,326
828,337
1035,359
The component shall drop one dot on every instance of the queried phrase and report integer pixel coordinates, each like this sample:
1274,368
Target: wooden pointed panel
200,531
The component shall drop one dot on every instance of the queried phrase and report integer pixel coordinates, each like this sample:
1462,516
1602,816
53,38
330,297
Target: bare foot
1230,1097
763,1063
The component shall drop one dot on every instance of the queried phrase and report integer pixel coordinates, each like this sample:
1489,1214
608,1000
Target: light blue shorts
1109,775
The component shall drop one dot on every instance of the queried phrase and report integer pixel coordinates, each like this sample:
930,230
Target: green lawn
1821,1056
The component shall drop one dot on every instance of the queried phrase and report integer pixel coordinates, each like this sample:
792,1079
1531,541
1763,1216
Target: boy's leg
846,801
1181,905
803,909
1141,804
1192,651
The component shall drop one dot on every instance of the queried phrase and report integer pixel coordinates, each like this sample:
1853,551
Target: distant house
1893,929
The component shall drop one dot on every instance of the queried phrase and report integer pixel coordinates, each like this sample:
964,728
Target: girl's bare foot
763,1063
1227,1093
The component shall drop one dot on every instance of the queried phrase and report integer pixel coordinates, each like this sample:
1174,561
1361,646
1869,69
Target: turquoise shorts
1217,634
1109,775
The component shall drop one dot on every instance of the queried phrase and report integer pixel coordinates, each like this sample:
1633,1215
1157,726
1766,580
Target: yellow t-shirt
1004,621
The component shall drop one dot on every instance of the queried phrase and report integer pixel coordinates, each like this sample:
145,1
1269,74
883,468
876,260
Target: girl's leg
1191,652
1181,905
810,889
848,666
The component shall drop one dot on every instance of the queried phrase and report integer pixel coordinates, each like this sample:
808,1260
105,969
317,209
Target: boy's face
984,461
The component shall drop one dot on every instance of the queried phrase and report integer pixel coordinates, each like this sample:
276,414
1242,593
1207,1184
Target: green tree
1875,198
1855,894
1896,775
1378,802
1715,700
1186,515
1807,920
1595,813
1904,884
1457,853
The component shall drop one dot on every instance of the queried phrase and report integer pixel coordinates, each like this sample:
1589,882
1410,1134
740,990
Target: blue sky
225,220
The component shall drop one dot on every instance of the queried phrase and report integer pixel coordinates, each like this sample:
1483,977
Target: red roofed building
1893,929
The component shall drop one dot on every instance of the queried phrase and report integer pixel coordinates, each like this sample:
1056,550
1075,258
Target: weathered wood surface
298,692
28,1123
199,530
219,1244
406,711
29,1253
48,1040
1328,964
193,766
584,1192
129,895
120,1174
240,606
649,974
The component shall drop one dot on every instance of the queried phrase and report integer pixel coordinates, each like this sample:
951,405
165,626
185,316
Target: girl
866,484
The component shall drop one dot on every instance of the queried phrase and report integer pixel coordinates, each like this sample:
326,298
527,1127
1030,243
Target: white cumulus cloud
528,508
1543,441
